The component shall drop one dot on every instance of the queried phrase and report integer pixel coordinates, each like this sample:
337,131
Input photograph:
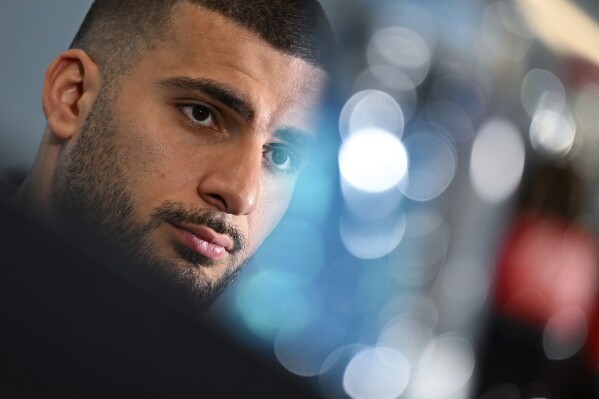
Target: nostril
219,201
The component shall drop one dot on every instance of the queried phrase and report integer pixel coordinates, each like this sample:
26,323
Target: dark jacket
70,328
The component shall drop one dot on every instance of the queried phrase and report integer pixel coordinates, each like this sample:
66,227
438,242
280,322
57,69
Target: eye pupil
200,113
279,157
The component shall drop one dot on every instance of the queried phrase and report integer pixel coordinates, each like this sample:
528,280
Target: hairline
158,39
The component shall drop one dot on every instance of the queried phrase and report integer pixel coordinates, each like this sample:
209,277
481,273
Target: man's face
182,170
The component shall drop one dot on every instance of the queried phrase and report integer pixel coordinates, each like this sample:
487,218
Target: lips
204,241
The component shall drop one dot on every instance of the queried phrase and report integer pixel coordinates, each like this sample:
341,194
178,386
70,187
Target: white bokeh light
373,160
412,304
506,32
552,132
330,378
381,373
497,160
408,334
392,81
368,206
447,366
303,352
420,222
432,166
392,77
348,109
542,90
371,240
371,109
402,48
377,109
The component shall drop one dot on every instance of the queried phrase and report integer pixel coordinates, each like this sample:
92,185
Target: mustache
177,212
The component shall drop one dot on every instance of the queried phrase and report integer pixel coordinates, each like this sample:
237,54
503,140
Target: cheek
148,162
271,210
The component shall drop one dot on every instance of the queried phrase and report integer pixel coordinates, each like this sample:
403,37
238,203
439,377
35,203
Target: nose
232,184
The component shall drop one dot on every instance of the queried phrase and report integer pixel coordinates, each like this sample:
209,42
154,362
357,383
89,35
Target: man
175,133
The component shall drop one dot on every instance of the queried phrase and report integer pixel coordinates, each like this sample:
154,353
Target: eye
281,159
199,115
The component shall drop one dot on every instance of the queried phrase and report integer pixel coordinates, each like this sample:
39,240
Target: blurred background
443,243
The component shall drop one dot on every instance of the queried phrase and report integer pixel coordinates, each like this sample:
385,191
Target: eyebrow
220,91
296,137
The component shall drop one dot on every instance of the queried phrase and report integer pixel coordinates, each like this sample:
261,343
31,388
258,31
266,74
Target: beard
92,195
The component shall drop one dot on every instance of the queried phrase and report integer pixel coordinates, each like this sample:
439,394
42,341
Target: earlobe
71,85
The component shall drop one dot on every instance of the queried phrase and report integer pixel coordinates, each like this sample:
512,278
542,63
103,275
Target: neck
34,196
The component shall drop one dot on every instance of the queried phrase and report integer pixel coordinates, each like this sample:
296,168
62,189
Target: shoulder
6,191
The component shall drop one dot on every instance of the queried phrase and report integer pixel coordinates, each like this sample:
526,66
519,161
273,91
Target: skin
206,132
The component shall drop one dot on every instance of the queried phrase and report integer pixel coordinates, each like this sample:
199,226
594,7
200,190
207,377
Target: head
176,132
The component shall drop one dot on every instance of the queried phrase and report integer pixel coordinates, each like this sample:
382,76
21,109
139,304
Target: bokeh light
377,109
354,286
293,267
267,306
371,240
552,132
371,109
497,160
422,221
418,306
541,89
432,166
446,367
407,334
314,197
348,110
304,351
373,160
380,372
392,81
506,31
452,117
565,333
368,206
411,15
330,379
403,48
445,107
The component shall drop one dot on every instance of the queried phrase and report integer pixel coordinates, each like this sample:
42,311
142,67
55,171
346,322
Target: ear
71,86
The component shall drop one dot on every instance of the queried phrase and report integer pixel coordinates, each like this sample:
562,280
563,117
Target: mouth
204,241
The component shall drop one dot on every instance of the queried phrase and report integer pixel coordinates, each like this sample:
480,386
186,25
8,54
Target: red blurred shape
547,265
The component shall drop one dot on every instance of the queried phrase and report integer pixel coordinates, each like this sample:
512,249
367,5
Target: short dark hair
116,32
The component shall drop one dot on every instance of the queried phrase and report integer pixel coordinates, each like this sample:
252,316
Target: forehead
204,44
